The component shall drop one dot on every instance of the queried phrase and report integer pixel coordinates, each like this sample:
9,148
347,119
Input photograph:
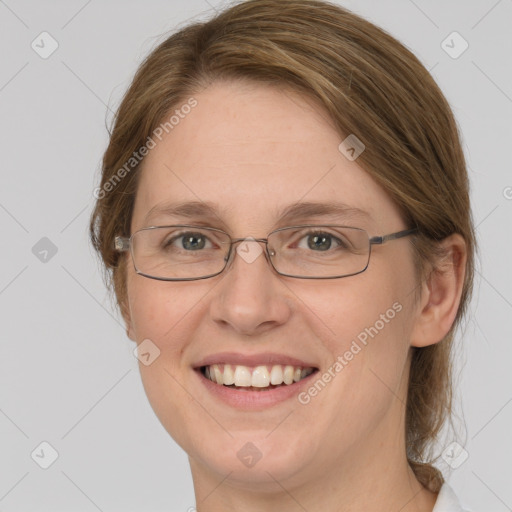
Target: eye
320,241
189,241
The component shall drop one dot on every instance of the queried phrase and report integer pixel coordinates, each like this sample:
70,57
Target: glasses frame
124,244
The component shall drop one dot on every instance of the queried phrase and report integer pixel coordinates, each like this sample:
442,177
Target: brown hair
371,86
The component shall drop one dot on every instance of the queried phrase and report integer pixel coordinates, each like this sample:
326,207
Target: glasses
186,253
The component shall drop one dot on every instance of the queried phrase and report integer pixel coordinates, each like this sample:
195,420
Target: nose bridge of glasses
249,239
248,252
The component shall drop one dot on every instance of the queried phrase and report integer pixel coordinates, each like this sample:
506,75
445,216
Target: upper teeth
259,376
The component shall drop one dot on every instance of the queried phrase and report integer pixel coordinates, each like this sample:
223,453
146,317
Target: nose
250,297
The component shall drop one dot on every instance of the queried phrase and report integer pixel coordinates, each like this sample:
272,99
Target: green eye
321,242
188,241
193,241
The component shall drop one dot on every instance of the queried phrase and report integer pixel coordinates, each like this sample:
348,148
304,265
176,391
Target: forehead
250,151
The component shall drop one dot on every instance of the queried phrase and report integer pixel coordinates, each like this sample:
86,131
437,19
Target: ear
440,294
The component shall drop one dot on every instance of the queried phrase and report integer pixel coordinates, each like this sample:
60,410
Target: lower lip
252,400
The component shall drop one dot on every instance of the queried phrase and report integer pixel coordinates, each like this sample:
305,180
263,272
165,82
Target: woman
284,217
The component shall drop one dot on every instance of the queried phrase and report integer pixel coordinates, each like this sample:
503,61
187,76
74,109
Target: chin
254,461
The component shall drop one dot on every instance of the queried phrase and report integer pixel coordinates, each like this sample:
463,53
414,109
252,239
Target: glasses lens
319,251
179,252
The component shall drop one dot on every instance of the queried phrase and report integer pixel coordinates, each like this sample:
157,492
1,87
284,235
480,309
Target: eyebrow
296,211
292,212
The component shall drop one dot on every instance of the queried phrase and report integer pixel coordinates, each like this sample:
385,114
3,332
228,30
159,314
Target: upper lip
266,358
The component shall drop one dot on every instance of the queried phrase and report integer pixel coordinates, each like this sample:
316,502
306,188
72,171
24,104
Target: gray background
67,372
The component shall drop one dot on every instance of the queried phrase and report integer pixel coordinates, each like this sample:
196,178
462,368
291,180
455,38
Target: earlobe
441,294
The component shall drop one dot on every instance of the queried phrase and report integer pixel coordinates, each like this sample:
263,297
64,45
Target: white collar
447,501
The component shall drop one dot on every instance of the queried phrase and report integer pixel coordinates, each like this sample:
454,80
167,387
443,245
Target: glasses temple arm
377,240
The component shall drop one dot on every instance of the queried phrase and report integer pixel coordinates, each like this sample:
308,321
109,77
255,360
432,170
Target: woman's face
249,152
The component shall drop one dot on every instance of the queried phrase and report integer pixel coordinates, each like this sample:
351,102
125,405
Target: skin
251,150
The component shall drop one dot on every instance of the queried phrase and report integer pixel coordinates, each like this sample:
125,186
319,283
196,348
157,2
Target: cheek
167,315
364,322
358,308
158,309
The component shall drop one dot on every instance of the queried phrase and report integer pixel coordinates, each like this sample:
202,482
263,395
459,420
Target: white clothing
447,501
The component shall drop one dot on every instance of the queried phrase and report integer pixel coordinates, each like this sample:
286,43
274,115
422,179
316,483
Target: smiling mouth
256,378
